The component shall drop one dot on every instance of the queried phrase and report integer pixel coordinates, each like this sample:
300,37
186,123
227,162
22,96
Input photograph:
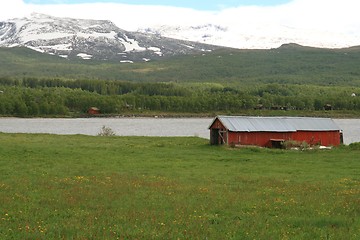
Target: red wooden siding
218,125
324,138
331,138
256,138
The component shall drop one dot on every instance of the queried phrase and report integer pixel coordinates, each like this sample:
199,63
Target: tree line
61,97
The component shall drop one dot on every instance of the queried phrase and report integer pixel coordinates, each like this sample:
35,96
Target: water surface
138,126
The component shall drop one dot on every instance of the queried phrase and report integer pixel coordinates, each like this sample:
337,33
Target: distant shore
290,113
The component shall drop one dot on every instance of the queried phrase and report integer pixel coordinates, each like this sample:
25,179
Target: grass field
91,187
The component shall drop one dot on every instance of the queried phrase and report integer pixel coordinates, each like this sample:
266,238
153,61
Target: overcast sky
340,16
212,5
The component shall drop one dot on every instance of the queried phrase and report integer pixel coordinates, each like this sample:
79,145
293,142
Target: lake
137,126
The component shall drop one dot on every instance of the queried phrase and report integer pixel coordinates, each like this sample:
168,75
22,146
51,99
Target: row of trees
101,87
38,97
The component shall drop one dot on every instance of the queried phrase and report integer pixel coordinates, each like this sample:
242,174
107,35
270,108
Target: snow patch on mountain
84,56
131,44
126,61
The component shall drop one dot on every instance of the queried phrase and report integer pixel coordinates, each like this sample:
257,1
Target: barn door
214,137
217,136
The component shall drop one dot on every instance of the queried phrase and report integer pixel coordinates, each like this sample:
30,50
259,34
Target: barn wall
324,138
330,138
257,138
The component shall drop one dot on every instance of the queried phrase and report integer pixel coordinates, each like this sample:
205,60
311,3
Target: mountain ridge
91,39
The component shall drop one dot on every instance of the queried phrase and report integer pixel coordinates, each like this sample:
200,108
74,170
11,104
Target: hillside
289,64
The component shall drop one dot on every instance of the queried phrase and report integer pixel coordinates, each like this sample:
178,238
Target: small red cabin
93,111
270,131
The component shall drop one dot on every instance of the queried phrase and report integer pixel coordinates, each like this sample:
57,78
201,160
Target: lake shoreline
335,114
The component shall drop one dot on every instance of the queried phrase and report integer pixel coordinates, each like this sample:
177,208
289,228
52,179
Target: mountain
253,36
91,39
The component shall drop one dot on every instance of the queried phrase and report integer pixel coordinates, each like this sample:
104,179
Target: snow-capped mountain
254,36
91,39
103,40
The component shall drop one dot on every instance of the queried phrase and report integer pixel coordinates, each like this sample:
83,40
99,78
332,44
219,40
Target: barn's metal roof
276,124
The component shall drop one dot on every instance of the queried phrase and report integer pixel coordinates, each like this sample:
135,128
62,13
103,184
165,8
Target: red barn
271,131
93,111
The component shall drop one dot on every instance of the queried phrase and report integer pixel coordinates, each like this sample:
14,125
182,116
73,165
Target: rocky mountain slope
92,39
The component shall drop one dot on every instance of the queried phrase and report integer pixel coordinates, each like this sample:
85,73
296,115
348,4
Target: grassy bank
83,187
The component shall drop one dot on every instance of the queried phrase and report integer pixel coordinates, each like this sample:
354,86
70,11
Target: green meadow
92,187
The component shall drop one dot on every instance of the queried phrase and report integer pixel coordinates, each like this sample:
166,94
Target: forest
290,80
54,97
